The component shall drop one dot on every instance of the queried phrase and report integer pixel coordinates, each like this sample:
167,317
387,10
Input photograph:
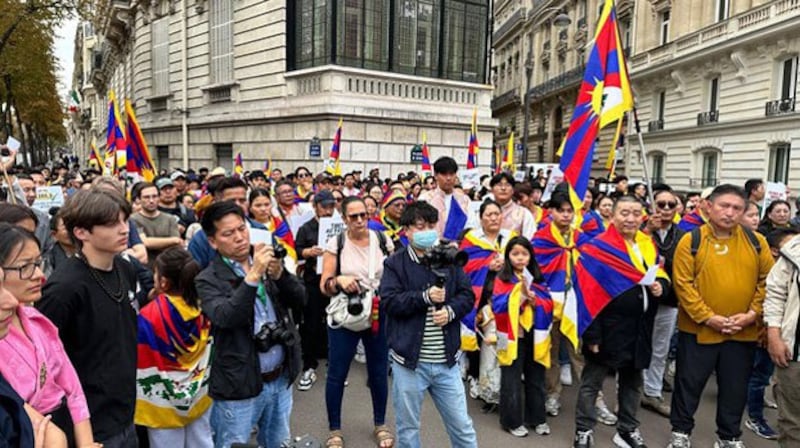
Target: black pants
516,408
313,334
629,395
732,361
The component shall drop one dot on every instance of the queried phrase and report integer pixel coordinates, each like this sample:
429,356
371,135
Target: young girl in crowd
174,353
521,403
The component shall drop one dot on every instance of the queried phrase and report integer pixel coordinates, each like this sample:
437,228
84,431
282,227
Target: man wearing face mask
423,332
313,336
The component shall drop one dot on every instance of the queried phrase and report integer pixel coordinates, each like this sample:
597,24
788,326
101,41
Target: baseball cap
177,175
324,197
218,171
164,182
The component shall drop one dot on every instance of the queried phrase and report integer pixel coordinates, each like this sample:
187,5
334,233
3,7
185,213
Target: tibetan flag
95,156
609,266
333,168
692,220
116,146
139,164
542,323
268,166
556,257
472,153
283,235
612,152
238,166
456,220
508,158
592,224
511,311
426,157
480,253
603,98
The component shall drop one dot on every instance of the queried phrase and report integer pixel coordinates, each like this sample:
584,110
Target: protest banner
328,228
48,197
773,191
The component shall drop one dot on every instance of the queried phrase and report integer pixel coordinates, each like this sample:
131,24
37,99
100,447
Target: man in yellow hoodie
720,284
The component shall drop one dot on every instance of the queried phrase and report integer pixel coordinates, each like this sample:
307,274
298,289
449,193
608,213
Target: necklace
117,296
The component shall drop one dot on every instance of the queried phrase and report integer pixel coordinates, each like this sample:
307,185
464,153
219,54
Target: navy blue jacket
405,306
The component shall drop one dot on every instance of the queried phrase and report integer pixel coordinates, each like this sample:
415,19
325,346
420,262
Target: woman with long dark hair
776,216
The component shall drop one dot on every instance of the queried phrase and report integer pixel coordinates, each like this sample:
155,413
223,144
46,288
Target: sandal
335,440
382,435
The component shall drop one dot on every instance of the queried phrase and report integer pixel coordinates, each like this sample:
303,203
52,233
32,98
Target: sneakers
729,444
770,403
629,439
522,431
307,380
566,375
552,406
542,429
604,415
361,356
583,439
679,440
761,428
657,405
474,389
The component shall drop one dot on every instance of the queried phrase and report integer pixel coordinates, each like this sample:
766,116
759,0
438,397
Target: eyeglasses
303,175
338,199
26,271
285,192
666,205
358,216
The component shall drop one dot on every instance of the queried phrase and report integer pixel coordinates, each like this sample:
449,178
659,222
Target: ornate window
221,43
779,157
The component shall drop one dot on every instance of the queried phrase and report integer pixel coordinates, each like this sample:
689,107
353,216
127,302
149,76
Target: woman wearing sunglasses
346,267
34,360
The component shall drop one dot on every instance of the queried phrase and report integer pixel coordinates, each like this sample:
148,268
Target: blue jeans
342,345
232,420
446,389
759,380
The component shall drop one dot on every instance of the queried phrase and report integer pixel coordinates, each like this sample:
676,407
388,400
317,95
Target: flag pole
644,158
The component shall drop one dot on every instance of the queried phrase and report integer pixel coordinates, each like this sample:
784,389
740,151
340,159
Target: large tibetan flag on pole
95,158
333,167
426,157
603,98
139,164
116,146
472,154
238,166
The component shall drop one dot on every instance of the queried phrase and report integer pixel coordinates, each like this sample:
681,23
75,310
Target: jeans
663,327
341,350
787,395
196,434
629,396
522,402
447,391
759,380
232,420
313,337
125,439
732,361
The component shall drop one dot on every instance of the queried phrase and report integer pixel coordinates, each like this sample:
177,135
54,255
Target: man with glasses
158,230
285,205
666,236
515,217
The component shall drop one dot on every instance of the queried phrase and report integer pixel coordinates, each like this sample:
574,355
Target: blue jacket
404,305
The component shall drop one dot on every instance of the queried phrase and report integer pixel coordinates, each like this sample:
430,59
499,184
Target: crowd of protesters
153,314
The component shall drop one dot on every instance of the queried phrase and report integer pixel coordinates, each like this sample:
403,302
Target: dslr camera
354,305
444,255
272,334
279,252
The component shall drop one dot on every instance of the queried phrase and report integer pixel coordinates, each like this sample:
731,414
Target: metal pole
526,125
184,89
644,158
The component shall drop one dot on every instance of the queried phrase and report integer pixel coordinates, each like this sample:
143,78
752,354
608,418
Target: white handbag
338,316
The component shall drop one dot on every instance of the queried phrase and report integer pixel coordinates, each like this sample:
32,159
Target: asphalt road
309,417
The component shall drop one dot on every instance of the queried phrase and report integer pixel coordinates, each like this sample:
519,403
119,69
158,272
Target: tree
17,12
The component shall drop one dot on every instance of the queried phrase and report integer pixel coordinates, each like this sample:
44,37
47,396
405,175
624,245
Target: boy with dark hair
91,301
451,203
159,231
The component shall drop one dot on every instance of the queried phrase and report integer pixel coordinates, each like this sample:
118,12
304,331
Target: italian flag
74,101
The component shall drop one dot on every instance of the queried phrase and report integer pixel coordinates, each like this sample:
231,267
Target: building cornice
740,125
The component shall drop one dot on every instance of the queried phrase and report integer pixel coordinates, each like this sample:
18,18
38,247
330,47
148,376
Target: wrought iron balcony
655,125
569,79
780,107
704,118
515,19
508,99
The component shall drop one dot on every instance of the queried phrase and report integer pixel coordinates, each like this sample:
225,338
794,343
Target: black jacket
666,249
624,330
229,303
405,309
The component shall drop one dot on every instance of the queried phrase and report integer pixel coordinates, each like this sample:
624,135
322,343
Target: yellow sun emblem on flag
598,97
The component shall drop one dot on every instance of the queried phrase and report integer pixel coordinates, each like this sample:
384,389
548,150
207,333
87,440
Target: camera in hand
354,305
272,334
279,252
5,152
443,255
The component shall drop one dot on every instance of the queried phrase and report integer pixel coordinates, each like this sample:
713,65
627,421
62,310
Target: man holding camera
423,308
246,294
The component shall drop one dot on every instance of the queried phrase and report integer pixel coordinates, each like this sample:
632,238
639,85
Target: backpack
340,246
751,236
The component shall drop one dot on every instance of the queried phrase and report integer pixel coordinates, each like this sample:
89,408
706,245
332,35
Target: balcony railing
515,19
780,107
655,125
561,82
741,26
508,99
711,116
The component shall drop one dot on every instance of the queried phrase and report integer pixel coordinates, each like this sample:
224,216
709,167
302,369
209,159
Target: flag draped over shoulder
542,323
472,152
511,311
479,254
139,164
283,235
173,364
592,224
692,220
426,157
608,267
556,257
603,98
333,168
116,146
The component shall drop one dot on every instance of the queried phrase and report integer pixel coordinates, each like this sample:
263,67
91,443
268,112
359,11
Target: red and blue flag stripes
692,220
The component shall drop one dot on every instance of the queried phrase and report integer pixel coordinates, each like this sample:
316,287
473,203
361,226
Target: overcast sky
64,47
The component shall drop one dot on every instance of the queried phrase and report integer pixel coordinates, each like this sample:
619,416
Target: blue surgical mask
424,239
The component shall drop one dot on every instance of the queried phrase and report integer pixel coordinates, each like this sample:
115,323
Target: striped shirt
432,349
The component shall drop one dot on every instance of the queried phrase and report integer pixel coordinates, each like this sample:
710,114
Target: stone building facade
271,79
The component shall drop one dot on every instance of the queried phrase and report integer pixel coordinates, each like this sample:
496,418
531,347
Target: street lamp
561,21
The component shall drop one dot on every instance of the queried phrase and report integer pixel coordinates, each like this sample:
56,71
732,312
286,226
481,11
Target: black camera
5,152
354,305
272,334
279,252
444,255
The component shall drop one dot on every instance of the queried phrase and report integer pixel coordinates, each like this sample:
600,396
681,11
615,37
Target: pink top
37,367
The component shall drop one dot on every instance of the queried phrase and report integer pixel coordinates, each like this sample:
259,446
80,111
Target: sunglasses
358,216
303,175
665,205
